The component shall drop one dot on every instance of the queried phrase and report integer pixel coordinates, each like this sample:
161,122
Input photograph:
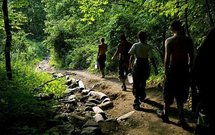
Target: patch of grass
18,106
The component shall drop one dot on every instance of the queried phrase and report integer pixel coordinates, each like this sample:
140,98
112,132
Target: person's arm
116,54
131,62
191,55
154,65
166,57
98,52
131,52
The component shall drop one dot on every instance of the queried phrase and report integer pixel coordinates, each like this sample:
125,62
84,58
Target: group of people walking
180,69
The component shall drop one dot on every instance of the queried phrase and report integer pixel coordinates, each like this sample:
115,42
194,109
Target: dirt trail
143,122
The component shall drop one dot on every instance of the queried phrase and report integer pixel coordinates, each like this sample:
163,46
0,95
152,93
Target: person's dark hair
210,38
102,40
122,37
142,36
177,26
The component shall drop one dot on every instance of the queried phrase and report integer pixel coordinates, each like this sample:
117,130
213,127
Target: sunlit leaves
161,8
17,18
92,9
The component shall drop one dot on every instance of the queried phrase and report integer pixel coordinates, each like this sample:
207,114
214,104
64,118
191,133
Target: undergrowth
18,106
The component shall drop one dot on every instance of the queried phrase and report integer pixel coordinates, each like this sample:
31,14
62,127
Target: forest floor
143,122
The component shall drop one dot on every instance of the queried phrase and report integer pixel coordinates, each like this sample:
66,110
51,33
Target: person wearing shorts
101,56
179,53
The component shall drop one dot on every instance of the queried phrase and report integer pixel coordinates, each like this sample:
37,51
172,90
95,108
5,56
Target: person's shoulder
170,39
119,44
137,43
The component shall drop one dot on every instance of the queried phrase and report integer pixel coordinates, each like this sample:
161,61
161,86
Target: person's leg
145,75
168,97
103,72
181,94
123,85
120,70
180,107
136,104
102,69
102,66
166,112
182,121
123,74
142,94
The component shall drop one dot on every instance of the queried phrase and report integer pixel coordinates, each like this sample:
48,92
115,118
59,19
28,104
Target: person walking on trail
204,66
101,56
179,53
141,53
123,57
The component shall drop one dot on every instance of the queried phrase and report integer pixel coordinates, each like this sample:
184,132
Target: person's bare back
179,49
102,49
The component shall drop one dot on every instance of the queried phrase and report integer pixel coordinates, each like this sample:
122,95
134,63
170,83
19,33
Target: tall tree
8,39
186,19
209,12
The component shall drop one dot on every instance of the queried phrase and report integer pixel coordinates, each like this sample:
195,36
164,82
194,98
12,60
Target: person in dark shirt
123,58
202,74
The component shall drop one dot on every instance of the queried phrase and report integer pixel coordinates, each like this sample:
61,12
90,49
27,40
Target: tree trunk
209,13
186,21
8,39
164,38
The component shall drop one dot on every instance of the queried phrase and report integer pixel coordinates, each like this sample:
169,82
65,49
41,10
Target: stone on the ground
105,106
125,116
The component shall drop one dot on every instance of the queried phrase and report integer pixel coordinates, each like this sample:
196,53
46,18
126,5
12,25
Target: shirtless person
101,56
178,60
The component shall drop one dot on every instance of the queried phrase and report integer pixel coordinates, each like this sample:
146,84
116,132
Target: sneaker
142,99
137,107
164,117
184,125
123,87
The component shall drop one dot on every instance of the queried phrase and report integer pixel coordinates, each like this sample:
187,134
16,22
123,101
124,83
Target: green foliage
25,49
92,9
71,24
82,57
17,102
61,29
70,30
26,79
